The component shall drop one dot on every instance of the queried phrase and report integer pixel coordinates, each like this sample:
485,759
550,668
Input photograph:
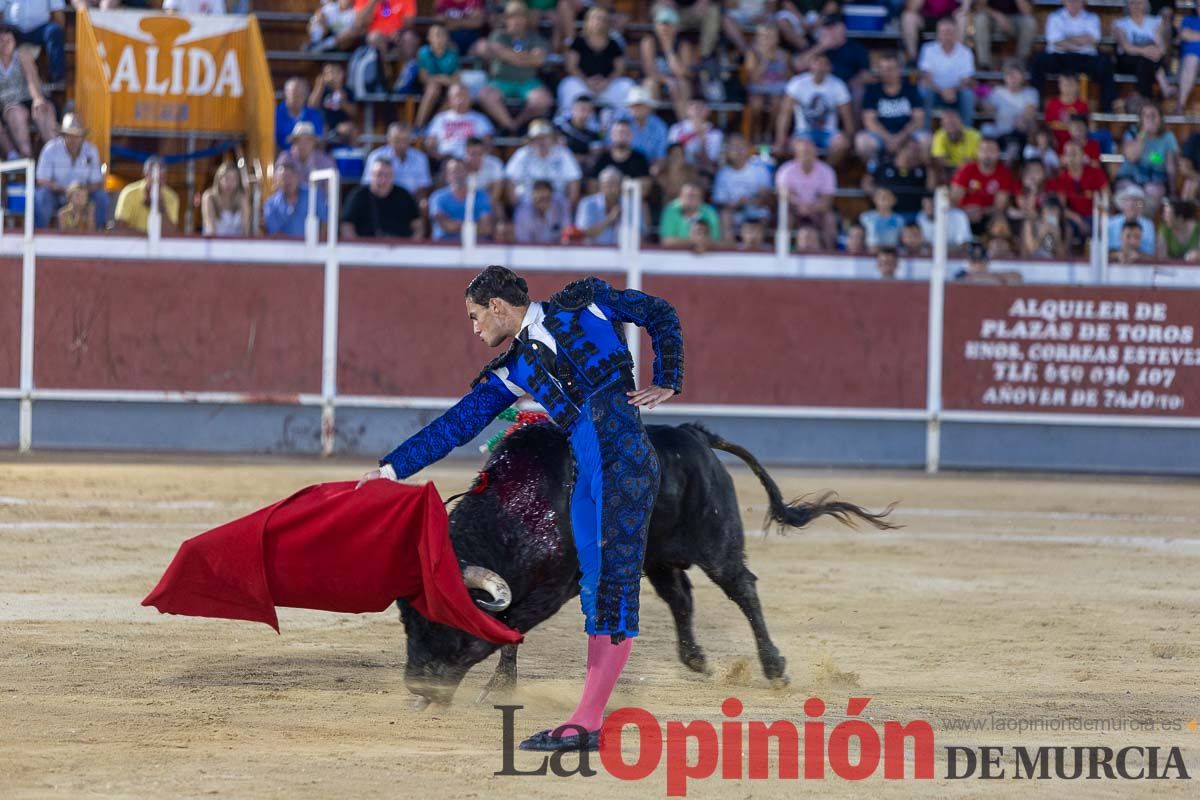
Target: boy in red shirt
1060,109
983,187
1076,185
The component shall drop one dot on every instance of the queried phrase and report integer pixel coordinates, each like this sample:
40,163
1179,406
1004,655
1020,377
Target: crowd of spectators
716,109
978,97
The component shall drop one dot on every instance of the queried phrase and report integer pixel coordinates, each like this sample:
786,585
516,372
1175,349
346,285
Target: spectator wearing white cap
68,158
650,133
305,154
542,159
1132,202
410,167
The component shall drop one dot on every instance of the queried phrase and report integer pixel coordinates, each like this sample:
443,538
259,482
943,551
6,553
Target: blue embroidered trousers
616,483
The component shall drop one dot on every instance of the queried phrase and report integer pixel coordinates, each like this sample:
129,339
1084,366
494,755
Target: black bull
516,522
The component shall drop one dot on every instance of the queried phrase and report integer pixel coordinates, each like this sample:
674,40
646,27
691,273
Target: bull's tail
799,512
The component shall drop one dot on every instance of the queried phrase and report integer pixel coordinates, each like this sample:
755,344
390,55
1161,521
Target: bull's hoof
419,703
694,660
781,682
775,668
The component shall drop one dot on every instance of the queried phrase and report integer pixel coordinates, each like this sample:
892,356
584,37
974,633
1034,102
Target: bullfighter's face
493,323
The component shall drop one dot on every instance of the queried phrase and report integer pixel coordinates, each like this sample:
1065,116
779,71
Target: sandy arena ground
1003,597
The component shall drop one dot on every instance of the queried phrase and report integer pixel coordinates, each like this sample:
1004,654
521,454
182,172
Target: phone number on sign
1068,374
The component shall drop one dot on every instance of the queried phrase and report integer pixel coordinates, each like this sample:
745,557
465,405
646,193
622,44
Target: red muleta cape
329,547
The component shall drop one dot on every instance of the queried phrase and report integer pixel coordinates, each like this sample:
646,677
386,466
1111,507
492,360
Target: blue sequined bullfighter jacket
570,356
589,353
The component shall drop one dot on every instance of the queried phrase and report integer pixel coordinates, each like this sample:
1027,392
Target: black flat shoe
542,740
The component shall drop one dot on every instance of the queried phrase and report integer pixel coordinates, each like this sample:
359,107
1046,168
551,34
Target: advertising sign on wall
1056,349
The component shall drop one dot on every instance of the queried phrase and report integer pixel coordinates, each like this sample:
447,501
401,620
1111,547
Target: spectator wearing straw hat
304,152
1131,200
649,131
543,158
68,158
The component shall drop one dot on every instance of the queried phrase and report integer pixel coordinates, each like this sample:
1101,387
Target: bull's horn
480,578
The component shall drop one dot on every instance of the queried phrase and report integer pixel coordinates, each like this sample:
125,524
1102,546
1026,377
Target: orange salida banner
167,72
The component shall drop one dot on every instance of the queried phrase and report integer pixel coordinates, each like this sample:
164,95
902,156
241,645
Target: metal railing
28,281
332,282
627,258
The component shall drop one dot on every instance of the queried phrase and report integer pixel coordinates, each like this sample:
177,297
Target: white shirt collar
534,320
533,315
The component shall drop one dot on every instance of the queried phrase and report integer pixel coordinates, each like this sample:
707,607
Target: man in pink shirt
810,185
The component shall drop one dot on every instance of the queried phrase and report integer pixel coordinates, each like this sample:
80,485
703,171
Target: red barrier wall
406,332
257,329
1062,349
778,341
178,326
10,323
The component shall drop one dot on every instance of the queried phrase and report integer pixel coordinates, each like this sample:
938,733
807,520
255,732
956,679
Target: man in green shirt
675,227
516,53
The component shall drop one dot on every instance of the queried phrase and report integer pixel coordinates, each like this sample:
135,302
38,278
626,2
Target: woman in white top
1141,47
225,206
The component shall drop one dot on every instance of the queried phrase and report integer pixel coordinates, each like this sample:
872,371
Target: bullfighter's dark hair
497,281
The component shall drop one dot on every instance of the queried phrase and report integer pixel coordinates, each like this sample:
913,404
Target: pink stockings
605,661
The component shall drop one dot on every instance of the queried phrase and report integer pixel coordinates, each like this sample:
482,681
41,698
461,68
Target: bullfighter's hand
650,396
386,472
